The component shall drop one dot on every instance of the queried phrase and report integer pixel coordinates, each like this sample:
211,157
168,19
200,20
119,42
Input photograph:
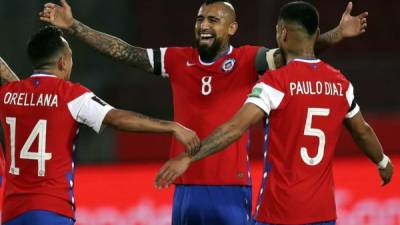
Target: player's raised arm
136,122
61,16
217,141
366,139
349,26
6,74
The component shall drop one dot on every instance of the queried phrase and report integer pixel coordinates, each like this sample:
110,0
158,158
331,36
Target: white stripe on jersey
88,110
150,54
269,98
151,57
350,98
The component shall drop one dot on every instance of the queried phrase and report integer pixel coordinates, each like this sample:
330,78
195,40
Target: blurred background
115,172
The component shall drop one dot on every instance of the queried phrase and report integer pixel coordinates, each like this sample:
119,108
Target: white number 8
206,87
309,131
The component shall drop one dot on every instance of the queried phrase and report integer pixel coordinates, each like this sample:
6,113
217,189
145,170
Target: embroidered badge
228,65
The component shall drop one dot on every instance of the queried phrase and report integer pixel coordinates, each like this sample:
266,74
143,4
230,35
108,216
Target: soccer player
306,102
40,117
201,79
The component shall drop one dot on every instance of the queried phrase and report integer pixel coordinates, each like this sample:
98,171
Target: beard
209,53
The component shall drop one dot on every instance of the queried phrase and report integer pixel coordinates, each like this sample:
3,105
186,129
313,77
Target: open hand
351,26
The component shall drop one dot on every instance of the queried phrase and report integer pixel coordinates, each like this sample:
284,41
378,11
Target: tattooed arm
349,26
136,122
119,50
223,136
6,74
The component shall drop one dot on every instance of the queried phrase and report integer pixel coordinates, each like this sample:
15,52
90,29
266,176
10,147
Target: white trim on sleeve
352,112
265,97
350,94
163,71
350,99
89,110
151,57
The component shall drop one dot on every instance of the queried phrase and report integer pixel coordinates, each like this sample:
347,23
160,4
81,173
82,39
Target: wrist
173,126
338,34
384,162
73,26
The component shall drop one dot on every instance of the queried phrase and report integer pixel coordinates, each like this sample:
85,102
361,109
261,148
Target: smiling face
215,24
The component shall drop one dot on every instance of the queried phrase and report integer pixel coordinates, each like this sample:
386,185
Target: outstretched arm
136,122
6,74
119,50
216,142
367,141
349,26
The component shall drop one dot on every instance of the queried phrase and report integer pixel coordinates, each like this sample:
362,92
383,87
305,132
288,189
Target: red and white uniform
306,101
205,95
40,117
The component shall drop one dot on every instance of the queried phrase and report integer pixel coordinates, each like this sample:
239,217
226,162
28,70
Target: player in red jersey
201,77
307,101
40,116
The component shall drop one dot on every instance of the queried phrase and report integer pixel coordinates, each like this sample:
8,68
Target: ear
317,33
61,64
233,27
284,34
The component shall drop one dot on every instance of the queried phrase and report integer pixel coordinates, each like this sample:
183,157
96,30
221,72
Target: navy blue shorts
40,217
320,223
211,205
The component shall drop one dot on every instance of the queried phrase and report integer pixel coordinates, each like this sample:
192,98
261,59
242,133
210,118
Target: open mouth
206,39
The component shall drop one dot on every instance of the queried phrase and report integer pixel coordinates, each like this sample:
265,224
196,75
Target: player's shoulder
183,50
248,49
336,73
72,90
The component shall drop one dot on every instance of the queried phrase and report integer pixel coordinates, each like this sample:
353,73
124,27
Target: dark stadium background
371,62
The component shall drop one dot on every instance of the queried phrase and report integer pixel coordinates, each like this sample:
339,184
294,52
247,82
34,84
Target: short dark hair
302,13
208,2
44,45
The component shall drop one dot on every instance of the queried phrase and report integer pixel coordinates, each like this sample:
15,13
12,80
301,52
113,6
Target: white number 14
41,155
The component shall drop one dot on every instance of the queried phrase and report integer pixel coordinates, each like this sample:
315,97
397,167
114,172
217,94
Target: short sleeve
157,60
266,94
89,110
353,106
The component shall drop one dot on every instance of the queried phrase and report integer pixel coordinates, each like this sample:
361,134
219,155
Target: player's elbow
115,119
363,132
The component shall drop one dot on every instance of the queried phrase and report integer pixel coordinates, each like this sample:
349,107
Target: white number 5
41,156
309,131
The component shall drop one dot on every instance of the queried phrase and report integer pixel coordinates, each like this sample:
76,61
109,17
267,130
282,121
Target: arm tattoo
6,74
150,119
111,46
326,40
217,141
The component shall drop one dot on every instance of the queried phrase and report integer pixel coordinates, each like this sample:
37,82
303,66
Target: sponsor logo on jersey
228,65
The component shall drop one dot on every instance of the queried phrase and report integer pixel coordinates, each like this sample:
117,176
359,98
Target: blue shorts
211,205
40,217
320,223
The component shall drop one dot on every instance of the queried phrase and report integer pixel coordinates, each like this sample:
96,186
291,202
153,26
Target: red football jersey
306,101
40,117
205,95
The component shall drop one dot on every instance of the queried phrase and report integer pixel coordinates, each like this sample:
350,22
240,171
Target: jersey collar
43,74
230,49
307,60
